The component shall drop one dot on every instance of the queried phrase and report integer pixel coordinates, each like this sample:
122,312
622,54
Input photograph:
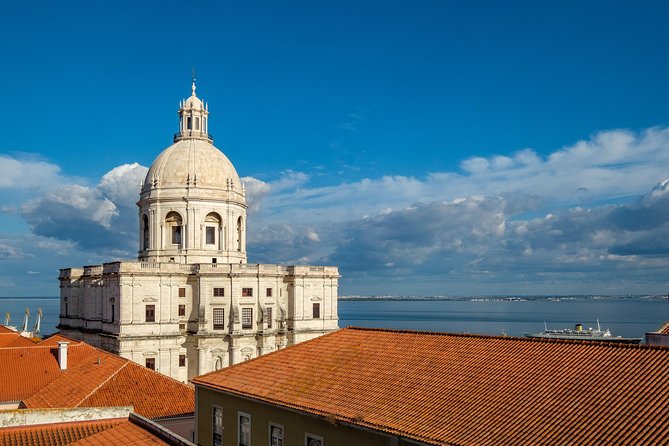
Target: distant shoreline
480,298
505,298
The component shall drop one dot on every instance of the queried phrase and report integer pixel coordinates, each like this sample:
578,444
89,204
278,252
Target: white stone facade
191,303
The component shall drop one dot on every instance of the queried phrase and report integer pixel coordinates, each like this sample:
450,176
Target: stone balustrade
198,268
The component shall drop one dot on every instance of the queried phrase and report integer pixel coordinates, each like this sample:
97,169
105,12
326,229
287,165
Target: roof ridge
45,346
102,383
508,338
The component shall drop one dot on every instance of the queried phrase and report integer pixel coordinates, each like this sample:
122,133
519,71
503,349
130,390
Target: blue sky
424,147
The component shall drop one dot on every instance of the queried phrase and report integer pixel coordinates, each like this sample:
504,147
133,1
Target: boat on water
581,334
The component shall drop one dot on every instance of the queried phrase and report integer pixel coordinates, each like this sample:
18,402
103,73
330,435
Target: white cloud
101,218
27,173
121,185
255,191
477,227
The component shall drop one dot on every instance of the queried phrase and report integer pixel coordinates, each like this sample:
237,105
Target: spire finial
193,77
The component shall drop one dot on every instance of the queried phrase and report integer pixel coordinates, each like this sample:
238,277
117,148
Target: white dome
194,163
193,102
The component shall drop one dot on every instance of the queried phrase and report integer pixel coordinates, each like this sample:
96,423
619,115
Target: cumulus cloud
28,173
589,214
255,191
519,219
103,217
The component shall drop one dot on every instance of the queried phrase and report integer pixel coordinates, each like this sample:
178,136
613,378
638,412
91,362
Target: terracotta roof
93,378
119,431
442,388
10,338
55,434
124,434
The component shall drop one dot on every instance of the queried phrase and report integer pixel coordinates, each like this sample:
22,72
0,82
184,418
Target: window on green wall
312,440
217,426
275,435
244,429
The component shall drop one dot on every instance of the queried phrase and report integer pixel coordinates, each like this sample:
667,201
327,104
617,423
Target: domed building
191,303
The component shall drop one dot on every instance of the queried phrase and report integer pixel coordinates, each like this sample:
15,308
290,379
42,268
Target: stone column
201,360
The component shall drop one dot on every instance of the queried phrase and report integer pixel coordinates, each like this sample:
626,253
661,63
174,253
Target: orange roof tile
10,338
122,434
93,378
444,388
55,434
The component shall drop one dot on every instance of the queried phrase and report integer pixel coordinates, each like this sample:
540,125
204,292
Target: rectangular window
275,435
197,123
268,316
150,313
217,426
210,235
312,440
113,312
182,292
247,292
176,235
182,310
247,318
219,292
151,363
244,429
182,360
268,293
219,319
316,312
189,123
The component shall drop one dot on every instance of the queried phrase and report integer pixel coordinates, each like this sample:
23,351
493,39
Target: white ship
581,334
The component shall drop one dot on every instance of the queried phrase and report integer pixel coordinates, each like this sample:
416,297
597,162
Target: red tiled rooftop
124,434
93,378
10,338
55,434
465,389
118,431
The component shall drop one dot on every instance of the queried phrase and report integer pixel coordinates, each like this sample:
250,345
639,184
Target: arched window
174,226
145,233
212,229
239,234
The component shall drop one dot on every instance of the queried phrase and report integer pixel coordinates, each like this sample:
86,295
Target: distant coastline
507,298
480,298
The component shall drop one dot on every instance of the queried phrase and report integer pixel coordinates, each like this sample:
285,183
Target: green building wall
295,424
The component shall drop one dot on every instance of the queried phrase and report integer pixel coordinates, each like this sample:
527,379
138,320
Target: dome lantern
193,118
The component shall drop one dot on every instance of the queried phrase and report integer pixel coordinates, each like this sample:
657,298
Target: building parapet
25,417
198,268
92,270
70,272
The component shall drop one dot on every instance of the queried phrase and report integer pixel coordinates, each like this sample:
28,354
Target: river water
629,316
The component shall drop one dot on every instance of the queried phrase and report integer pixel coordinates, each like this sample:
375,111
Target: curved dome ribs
195,180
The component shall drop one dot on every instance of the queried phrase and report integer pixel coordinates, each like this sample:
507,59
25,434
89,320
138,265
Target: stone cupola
193,118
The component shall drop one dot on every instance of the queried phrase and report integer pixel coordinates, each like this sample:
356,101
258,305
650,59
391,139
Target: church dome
194,163
193,166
